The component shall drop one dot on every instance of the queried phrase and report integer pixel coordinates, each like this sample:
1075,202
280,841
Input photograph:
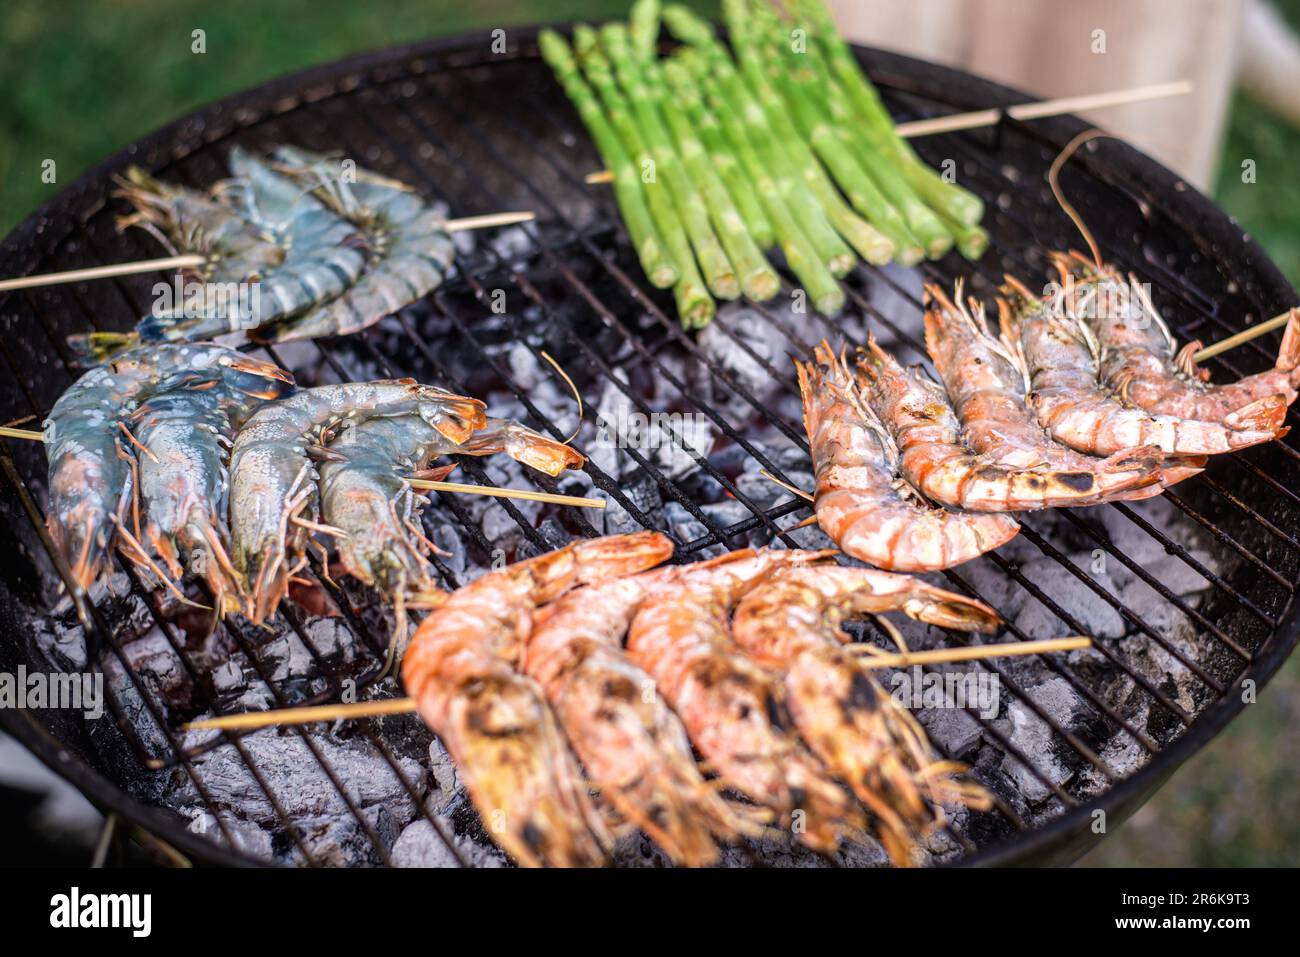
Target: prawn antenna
1054,180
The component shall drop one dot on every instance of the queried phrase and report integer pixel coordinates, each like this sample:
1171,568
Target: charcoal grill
487,131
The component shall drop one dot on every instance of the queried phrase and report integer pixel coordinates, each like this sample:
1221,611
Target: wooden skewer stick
308,715
1023,111
9,433
371,709
193,259
1254,332
102,272
489,220
507,493
1043,108
973,652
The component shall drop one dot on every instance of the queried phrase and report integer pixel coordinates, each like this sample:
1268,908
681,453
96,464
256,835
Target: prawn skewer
185,432
366,494
411,250
987,383
731,708
632,745
860,501
1063,357
274,501
462,671
791,624
1142,364
90,448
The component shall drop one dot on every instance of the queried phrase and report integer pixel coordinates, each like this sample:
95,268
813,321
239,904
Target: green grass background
79,79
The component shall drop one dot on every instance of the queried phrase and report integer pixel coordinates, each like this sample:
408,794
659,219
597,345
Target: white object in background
1270,59
1050,49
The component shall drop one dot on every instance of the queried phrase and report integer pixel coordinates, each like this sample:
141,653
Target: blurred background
79,79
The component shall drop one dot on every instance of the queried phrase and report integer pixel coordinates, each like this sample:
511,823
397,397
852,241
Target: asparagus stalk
810,196
729,164
695,306
717,268
758,280
826,295
944,197
808,72
627,184
871,243
811,116
643,29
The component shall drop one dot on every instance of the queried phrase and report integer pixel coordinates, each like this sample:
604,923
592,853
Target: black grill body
487,132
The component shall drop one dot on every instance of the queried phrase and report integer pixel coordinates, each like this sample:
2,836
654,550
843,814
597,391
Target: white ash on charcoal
309,799
642,494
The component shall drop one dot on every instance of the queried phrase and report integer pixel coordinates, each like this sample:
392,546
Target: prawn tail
1263,415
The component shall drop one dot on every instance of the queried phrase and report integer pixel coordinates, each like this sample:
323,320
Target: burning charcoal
332,640
285,657
156,662
420,846
1073,596
294,776
62,647
1032,737
228,679
953,730
746,345
643,493
248,838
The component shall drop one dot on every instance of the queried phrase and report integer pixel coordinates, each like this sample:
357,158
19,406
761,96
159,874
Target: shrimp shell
632,745
791,624
860,501
1141,364
461,670
324,255
273,493
412,250
365,493
89,446
184,432
987,383
1063,358
731,708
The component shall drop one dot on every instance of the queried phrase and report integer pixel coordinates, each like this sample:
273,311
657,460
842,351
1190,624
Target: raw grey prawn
365,494
324,255
790,623
274,502
731,708
632,745
1141,363
410,248
462,671
1063,358
90,448
861,502
184,433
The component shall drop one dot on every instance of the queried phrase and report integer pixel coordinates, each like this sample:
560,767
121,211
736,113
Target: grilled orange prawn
791,624
1063,357
861,502
461,669
633,747
987,382
1142,364
732,708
